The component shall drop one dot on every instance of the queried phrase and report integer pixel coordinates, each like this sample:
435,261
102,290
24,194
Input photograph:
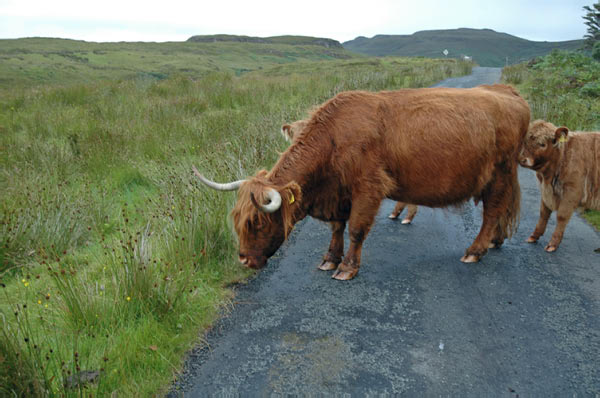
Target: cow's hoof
551,248
393,216
344,275
327,266
406,221
469,258
531,239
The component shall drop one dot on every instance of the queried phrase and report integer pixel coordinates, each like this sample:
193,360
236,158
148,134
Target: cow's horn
273,205
232,186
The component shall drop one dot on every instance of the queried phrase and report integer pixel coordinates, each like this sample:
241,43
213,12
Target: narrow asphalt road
415,321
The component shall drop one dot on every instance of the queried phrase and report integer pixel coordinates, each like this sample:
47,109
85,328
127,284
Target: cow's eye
543,144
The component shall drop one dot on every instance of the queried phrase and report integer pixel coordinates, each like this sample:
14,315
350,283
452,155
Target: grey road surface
415,321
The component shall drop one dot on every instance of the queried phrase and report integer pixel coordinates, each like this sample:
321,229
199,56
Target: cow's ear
560,135
286,131
291,194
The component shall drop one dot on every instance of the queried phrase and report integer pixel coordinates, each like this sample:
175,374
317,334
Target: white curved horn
232,186
274,204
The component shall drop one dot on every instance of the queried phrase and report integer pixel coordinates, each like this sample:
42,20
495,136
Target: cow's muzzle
254,262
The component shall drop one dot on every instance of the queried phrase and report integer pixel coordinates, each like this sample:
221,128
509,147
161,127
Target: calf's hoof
327,266
470,258
551,248
344,274
406,221
393,216
531,239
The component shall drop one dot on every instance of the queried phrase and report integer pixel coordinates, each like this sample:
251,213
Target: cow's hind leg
334,255
501,202
498,238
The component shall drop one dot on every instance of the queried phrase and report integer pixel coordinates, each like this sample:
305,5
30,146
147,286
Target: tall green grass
113,258
562,87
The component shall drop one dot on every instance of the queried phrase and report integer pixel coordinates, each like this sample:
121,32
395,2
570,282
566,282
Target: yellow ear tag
292,199
562,139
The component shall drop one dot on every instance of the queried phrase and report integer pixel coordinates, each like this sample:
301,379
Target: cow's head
263,215
541,144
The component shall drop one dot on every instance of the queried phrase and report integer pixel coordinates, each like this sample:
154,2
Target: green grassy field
562,88
113,259
487,47
34,61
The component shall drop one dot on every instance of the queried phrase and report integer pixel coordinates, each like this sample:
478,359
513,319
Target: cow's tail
509,221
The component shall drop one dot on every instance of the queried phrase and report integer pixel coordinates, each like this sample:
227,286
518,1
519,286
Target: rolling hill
33,61
487,47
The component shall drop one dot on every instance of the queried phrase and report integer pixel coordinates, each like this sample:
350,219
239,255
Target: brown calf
567,166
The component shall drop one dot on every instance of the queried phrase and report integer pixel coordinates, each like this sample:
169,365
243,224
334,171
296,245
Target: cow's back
442,145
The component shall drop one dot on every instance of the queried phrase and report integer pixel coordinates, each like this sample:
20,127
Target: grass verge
112,258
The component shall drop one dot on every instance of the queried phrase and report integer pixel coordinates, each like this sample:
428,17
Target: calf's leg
540,228
567,206
336,247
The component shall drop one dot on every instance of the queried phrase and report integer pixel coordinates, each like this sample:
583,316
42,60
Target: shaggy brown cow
567,166
293,130
433,147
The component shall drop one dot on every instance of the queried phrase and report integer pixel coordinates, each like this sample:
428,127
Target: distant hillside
487,47
292,40
34,61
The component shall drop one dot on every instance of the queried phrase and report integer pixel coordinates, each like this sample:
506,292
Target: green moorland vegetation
113,259
34,61
487,47
562,88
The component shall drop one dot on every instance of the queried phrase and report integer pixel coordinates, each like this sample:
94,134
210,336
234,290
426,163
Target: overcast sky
176,20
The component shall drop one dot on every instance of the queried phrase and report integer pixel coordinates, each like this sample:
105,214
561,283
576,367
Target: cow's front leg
333,258
361,219
540,228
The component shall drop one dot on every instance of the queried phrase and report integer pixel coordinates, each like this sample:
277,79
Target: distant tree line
592,20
